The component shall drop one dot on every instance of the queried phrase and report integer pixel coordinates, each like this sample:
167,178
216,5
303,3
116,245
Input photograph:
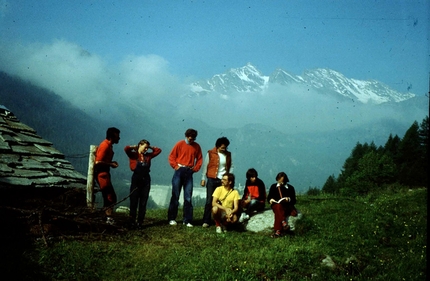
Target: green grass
380,237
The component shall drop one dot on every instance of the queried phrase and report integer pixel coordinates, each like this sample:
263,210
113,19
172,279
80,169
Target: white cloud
145,83
85,79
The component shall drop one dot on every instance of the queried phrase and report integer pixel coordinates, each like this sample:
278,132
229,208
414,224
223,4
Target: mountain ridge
248,79
308,156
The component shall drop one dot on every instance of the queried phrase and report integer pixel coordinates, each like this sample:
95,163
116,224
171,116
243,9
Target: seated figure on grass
282,198
254,195
225,204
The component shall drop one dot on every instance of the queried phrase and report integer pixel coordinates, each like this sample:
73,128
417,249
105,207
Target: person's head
228,180
143,146
191,135
282,178
112,134
251,174
222,144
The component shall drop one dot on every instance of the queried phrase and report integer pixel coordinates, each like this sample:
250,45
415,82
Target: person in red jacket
102,165
186,159
140,164
217,163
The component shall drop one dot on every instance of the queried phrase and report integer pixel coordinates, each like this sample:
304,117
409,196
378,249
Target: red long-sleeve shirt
185,154
134,156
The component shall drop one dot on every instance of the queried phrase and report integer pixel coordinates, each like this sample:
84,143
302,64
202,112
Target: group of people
224,207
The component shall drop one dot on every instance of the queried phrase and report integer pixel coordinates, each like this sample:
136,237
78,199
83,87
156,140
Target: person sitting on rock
225,203
282,198
254,195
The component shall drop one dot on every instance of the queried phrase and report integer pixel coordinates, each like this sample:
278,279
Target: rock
328,261
264,221
123,210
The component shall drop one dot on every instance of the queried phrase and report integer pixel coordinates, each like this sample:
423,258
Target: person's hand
114,164
203,183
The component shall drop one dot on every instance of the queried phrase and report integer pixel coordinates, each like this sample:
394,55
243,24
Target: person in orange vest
217,162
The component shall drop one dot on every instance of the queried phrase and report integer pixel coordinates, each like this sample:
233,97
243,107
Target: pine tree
424,141
410,158
331,185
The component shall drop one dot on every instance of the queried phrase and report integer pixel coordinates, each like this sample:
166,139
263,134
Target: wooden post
90,177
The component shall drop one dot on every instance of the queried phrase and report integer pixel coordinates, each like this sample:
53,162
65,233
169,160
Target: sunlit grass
379,237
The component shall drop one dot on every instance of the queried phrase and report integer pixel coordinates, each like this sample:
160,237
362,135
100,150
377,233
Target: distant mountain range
327,81
308,157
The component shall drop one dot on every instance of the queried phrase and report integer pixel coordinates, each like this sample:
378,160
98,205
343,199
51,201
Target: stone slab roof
26,159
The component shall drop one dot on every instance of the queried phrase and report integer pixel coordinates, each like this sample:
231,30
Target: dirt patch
52,213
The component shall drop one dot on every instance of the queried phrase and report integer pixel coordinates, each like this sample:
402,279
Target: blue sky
383,40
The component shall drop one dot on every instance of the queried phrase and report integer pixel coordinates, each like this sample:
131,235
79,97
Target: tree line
369,167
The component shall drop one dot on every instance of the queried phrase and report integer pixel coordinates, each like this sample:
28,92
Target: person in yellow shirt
225,203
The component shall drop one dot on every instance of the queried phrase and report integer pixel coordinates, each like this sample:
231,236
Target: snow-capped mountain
325,81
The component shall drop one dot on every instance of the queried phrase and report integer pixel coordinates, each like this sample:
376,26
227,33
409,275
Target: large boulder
263,221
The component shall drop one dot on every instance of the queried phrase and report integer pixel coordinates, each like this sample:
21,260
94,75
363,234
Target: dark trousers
211,185
255,205
139,192
139,196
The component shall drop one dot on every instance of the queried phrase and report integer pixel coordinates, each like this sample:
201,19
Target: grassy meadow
382,236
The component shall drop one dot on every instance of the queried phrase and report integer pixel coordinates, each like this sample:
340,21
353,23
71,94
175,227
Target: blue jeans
183,177
211,185
254,205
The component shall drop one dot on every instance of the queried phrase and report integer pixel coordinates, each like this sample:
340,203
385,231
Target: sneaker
285,226
218,229
188,224
172,222
110,221
205,225
243,217
277,234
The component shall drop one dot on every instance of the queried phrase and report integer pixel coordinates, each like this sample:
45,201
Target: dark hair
282,174
231,178
191,133
142,142
221,141
251,173
111,132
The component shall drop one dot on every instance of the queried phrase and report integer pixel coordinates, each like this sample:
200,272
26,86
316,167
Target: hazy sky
144,54
187,40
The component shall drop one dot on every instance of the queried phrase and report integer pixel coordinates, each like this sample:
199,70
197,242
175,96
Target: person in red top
102,165
186,159
140,164
254,194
